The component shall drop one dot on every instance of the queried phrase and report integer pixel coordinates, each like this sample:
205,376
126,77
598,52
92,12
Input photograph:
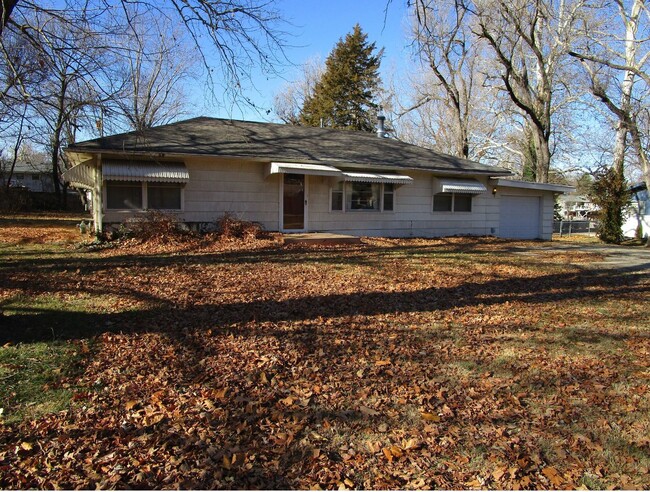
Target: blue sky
315,28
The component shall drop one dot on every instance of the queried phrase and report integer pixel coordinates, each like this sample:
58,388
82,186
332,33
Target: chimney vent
381,130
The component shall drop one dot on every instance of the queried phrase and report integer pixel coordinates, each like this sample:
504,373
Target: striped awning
396,179
166,172
298,168
79,176
470,186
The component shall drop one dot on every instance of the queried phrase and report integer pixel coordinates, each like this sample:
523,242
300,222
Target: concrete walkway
633,259
320,238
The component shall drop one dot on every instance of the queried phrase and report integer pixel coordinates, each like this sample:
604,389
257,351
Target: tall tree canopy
65,64
345,96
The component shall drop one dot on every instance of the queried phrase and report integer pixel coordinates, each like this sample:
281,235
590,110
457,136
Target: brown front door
294,202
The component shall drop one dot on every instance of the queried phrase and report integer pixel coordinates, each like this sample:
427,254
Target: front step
320,238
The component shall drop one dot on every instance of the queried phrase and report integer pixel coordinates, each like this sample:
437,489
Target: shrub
155,225
230,227
609,192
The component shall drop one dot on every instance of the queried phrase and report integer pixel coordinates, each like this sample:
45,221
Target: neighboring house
34,175
304,179
577,207
637,217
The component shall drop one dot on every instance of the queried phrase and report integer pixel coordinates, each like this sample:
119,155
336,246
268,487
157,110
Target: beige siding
241,188
223,186
235,187
412,216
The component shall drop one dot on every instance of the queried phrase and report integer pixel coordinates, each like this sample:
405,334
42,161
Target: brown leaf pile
397,364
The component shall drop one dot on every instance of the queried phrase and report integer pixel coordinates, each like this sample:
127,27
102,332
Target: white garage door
520,217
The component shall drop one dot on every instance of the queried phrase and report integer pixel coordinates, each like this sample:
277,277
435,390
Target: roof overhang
298,168
527,185
395,179
165,172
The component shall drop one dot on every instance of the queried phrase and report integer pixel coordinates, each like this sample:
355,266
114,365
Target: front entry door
293,200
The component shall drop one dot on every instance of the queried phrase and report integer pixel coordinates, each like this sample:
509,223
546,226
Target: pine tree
344,97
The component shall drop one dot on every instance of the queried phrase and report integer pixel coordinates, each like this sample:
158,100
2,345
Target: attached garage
520,217
526,209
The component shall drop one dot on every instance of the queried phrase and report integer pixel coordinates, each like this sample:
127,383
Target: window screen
123,195
164,196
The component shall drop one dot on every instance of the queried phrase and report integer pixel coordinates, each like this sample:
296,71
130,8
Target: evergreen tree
609,192
344,96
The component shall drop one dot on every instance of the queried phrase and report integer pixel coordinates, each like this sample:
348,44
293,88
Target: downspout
97,197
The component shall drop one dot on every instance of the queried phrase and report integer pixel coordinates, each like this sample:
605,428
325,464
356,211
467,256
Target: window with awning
148,185
455,194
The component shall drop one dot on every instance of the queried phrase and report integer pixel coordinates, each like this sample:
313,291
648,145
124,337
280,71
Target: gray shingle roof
277,142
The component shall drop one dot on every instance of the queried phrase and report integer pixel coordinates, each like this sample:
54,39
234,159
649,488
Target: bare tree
445,46
71,64
530,41
155,64
616,57
232,37
289,101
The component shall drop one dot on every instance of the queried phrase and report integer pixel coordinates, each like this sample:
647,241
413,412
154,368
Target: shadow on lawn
297,324
364,254
170,314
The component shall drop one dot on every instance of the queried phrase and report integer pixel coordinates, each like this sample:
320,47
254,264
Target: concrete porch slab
320,238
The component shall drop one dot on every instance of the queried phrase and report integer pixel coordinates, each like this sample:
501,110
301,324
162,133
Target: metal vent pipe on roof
381,130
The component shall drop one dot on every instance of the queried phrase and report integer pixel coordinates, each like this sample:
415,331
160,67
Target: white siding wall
241,188
236,187
223,186
412,215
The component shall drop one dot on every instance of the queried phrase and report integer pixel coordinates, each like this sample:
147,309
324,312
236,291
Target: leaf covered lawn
454,364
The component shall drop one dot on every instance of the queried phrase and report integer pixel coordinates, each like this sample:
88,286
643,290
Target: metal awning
296,168
396,179
166,172
470,186
79,176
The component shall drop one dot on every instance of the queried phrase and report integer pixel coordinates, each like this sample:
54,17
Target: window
389,193
354,196
36,177
442,202
123,195
452,202
363,196
138,195
164,196
337,196
462,202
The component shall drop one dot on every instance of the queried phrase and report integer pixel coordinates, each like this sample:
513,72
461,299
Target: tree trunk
543,155
6,8
55,170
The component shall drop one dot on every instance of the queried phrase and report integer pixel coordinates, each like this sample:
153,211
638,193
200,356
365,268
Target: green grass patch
34,378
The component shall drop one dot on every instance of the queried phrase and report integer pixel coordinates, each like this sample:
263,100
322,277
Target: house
35,174
304,179
637,217
577,207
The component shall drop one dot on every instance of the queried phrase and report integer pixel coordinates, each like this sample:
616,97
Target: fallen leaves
396,364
